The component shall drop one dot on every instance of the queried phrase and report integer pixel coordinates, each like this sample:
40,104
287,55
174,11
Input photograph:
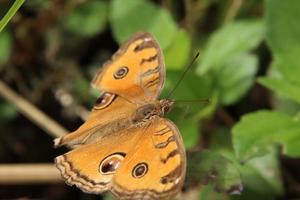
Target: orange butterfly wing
151,163
111,113
136,71
134,161
161,155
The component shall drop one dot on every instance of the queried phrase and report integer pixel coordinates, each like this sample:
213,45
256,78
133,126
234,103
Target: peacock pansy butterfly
126,146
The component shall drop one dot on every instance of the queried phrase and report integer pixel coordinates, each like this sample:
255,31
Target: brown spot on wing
150,59
170,155
172,176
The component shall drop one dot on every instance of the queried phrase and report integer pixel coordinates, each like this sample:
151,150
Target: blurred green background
246,140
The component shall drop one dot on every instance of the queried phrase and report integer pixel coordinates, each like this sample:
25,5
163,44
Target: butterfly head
166,105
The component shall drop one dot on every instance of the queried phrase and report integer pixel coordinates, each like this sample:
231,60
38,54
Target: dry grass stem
32,112
28,174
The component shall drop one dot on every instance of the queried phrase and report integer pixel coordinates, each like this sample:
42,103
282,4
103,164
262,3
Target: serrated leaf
283,87
88,19
128,17
178,52
210,167
230,41
235,78
283,30
261,178
259,131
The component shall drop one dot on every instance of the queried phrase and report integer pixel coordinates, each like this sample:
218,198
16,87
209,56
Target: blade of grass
11,12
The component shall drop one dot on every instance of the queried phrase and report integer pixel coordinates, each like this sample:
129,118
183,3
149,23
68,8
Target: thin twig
233,10
32,112
28,174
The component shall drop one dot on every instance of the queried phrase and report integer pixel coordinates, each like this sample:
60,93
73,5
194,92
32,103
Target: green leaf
261,178
191,88
128,17
184,114
283,30
257,132
178,53
209,167
230,41
283,87
209,193
187,126
286,106
88,19
7,112
235,78
5,46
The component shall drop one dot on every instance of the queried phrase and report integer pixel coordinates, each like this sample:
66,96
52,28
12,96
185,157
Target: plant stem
28,174
11,12
33,113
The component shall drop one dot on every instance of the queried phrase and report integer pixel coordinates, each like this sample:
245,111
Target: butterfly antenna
194,101
183,74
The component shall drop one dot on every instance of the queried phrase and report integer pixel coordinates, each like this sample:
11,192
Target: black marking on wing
144,45
152,82
164,144
150,59
150,71
172,176
162,131
170,155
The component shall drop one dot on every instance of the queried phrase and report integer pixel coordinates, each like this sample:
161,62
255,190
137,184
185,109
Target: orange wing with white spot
135,72
150,163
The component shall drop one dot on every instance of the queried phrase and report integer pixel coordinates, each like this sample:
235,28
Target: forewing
143,58
110,114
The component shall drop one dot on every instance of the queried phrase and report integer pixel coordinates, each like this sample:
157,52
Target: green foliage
88,19
128,17
229,41
5,46
186,114
256,132
178,53
7,112
244,147
235,77
261,178
283,39
283,32
209,167
228,61
283,87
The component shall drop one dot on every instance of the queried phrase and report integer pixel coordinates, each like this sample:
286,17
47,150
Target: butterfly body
148,112
126,146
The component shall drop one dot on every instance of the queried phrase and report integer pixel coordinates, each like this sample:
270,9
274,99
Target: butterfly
126,146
